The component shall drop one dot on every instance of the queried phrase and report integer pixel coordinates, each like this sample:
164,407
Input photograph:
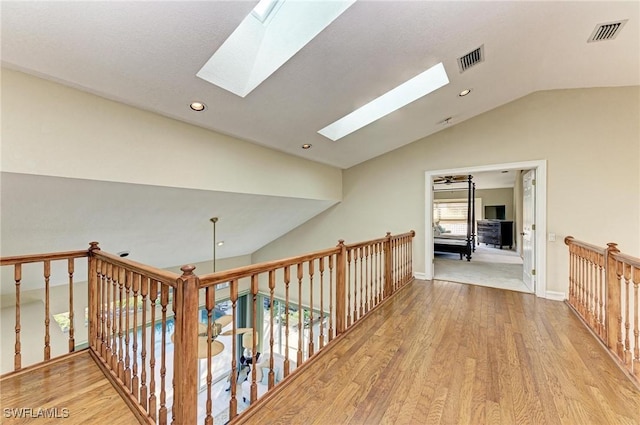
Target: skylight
266,39
413,89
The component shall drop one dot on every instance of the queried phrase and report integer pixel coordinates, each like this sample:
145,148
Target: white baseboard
555,296
419,275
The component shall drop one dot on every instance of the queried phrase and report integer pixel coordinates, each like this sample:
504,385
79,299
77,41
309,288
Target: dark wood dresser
495,232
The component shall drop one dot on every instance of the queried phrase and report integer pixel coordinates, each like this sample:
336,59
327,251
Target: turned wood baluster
348,288
322,314
388,264
614,294
374,274
627,308
331,283
113,360
17,277
367,280
47,337
123,311
135,380
361,293
72,344
636,325
144,291
591,289
127,339
233,402
380,249
107,335
153,296
635,367
254,351
311,270
272,287
596,301
94,297
571,258
341,288
101,270
164,301
210,297
300,313
287,281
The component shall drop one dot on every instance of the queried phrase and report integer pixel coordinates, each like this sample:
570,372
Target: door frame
540,245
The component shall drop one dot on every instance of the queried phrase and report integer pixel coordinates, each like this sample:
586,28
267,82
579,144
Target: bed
464,245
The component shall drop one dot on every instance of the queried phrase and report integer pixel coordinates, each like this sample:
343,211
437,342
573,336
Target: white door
528,228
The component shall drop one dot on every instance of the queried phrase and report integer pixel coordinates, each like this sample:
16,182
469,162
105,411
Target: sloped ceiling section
147,54
160,226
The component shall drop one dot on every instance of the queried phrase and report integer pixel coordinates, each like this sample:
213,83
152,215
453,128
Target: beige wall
50,129
589,137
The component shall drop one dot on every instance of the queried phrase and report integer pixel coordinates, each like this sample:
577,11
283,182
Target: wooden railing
145,328
603,290
337,287
44,261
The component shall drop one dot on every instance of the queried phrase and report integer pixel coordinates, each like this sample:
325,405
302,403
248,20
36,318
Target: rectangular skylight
266,39
413,89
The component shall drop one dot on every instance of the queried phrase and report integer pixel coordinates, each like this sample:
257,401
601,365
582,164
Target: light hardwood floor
74,383
447,353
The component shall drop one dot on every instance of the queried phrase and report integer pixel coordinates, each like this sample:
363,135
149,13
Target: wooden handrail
253,269
627,259
570,240
36,258
163,276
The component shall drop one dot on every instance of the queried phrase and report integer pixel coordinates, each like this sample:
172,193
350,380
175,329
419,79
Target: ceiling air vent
607,31
472,58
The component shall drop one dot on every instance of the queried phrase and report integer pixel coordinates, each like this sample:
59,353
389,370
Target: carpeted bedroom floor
497,268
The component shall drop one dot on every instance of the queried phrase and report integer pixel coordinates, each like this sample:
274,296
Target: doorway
537,240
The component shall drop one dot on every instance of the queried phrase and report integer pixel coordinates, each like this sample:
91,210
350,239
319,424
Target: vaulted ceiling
146,54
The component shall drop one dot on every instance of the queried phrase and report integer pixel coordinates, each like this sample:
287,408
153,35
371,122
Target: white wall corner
555,296
420,275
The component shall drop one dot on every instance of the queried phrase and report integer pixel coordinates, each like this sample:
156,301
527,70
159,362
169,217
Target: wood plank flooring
74,383
448,353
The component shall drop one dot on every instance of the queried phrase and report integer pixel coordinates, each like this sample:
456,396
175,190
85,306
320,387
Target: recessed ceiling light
266,39
413,89
220,243
306,146
198,106
464,92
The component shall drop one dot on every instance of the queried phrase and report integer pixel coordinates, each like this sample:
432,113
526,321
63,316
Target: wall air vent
472,58
607,31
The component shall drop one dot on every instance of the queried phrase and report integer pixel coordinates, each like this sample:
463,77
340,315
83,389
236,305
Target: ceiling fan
451,179
216,330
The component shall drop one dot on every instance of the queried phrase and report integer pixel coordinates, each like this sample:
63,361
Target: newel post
185,373
341,288
93,295
388,267
613,316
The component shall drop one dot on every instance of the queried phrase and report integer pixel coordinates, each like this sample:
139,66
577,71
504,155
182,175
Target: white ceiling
147,54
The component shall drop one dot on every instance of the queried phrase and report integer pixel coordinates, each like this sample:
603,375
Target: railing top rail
365,243
35,258
570,240
160,275
627,259
411,233
246,271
